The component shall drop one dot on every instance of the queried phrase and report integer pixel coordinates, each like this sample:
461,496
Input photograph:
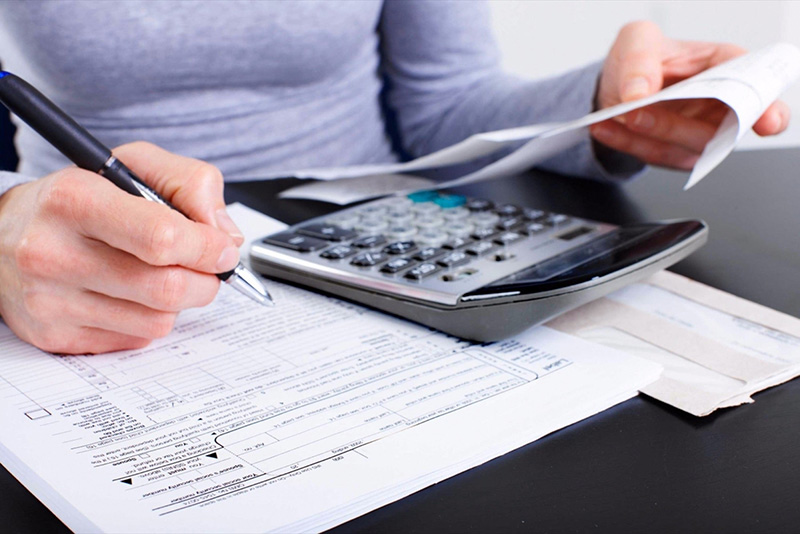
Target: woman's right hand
86,267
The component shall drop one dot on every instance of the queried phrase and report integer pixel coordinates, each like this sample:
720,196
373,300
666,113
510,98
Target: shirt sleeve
445,84
12,179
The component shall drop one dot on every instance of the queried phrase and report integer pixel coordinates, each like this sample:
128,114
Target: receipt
747,85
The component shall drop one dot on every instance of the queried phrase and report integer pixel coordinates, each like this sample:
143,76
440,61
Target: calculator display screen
606,254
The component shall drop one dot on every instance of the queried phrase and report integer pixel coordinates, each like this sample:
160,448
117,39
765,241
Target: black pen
69,137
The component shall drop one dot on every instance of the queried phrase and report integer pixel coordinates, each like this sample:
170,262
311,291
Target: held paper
716,349
291,418
747,85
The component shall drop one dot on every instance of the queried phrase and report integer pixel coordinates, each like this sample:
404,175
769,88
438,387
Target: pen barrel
69,137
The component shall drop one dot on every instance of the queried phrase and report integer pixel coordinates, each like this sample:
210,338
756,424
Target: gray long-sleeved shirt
261,87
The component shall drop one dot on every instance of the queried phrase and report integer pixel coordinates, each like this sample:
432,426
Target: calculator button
300,243
368,259
400,247
425,223
457,242
484,218
481,249
401,232
454,259
433,237
507,210
369,241
459,229
508,223
421,271
371,226
484,233
455,214
508,238
397,265
397,203
343,220
479,204
535,228
373,211
423,196
338,252
450,201
399,218
429,253
329,232
533,214
426,208
557,219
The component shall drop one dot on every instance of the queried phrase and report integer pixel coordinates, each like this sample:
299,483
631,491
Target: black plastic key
421,271
328,232
300,243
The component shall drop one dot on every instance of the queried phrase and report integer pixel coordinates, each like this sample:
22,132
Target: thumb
637,55
193,186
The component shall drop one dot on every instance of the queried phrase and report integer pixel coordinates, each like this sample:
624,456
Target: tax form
747,85
292,418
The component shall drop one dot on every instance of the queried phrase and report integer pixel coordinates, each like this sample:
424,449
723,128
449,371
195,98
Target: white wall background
540,38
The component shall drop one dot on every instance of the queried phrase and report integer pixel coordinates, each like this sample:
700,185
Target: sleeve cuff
12,179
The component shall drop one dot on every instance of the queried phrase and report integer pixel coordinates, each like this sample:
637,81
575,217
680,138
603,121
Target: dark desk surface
641,466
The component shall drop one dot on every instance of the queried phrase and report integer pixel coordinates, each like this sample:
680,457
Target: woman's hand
669,134
86,267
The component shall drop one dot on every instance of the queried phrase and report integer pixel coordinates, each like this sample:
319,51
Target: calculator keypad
428,238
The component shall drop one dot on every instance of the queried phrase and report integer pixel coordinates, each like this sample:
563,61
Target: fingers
647,149
774,120
104,270
153,233
636,57
193,186
664,125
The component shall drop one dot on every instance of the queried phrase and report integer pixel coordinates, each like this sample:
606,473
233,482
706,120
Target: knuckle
33,256
173,289
161,325
163,237
66,194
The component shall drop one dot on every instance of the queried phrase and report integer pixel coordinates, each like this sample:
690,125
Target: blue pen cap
3,73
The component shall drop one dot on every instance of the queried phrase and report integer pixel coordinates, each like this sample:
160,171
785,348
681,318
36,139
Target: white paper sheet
747,85
291,418
716,349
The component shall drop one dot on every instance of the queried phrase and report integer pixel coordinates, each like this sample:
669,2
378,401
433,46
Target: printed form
292,418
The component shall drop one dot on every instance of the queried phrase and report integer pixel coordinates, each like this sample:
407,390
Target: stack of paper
716,349
292,418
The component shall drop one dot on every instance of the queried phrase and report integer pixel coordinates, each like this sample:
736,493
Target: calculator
468,266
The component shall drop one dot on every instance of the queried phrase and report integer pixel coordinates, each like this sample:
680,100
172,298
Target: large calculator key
479,204
457,242
396,265
454,259
481,249
421,271
427,222
484,233
507,210
300,243
400,247
508,238
450,201
328,232
484,218
343,220
508,222
369,259
533,214
433,237
369,241
399,218
338,252
426,208
459,228
429,253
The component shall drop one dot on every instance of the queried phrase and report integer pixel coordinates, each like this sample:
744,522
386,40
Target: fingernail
644,120
226,224
635,88
228,259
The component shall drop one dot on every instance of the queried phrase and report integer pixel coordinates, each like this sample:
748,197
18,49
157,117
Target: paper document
292,418
748,85
716,349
